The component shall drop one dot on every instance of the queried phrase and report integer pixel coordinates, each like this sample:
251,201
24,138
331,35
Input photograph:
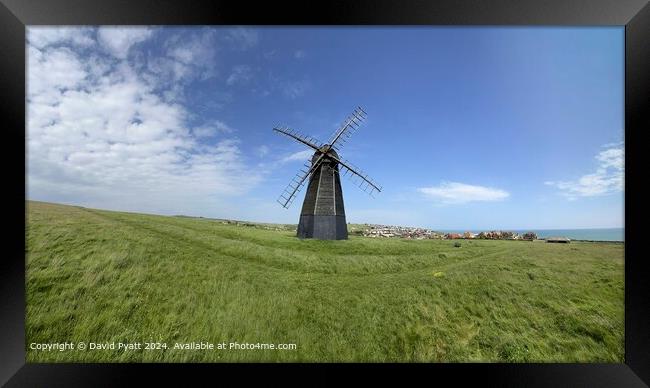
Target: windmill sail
359,177
349,126
298,181
306,140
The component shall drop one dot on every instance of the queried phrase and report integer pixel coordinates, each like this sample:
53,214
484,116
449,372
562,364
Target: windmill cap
321,150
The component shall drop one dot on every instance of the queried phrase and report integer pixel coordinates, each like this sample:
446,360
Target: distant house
564,240
454,235
529,236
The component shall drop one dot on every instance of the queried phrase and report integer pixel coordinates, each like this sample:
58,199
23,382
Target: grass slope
107,276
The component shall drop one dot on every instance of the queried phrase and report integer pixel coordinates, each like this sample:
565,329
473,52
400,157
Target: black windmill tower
323,214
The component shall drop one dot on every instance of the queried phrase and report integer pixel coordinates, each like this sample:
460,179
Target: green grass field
105,276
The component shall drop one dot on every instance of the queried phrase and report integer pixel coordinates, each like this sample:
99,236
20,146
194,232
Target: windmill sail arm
351,124
368,181
286,198
340,132
299,138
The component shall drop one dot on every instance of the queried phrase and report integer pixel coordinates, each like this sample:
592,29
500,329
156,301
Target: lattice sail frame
348,127
297,182
360,178
336,142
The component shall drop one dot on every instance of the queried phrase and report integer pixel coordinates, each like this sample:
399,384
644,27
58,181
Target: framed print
218,188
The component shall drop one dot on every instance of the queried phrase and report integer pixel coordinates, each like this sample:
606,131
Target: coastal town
387,231
406,232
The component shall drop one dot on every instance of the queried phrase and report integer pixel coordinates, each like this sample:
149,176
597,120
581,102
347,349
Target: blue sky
468,128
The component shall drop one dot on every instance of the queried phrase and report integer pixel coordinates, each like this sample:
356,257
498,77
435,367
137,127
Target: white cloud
107,138
188,56
168,69
611,145
608,177
298,156
212,129
241,74
50,74
295,89
242,38
299,54
289,88
118,40
454,192
195,52
612,158
263,150
41,37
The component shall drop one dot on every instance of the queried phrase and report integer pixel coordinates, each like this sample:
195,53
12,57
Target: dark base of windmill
323,227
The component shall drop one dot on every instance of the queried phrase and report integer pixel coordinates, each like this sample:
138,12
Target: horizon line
365,223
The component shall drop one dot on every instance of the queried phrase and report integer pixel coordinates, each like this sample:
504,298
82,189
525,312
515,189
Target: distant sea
608,234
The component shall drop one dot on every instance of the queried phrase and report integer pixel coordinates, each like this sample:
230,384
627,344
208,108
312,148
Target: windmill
323,214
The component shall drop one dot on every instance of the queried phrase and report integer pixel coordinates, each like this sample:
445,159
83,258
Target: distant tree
481,235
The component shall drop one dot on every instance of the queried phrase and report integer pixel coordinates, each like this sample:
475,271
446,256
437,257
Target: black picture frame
15,15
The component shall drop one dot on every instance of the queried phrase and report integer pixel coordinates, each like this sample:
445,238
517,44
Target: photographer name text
148,346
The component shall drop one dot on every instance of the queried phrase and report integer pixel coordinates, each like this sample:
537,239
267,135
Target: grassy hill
105,276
